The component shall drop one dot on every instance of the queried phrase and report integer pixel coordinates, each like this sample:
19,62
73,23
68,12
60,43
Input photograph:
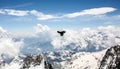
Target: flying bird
61,32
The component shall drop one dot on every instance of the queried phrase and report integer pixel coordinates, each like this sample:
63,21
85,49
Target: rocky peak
111,59
35,61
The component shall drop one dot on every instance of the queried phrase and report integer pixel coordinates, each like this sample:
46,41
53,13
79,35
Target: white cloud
2,30
16,12
1,11
41,28
41,16
9,48
93,11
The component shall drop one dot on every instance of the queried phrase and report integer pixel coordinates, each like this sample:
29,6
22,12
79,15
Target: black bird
61,32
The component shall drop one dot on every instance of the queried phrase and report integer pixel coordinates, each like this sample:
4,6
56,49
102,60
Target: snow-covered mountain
80,60
82,49
28,62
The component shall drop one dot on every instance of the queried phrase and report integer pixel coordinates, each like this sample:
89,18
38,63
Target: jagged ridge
111,59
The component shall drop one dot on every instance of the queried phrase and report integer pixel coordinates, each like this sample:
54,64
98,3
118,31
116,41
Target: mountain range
87,48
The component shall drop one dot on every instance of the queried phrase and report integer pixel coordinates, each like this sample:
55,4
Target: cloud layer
8,47
93,11
45,39
42,16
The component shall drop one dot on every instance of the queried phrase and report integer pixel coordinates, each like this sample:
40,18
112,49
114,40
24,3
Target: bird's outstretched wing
64,31
58,31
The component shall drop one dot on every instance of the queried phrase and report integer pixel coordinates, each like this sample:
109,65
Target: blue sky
22,15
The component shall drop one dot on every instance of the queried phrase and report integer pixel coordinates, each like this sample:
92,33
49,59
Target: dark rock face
111,59
47,65
35,60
